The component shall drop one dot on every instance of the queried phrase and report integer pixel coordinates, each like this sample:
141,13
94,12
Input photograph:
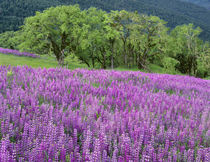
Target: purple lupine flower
114,157
4,154
96,155
104,156
75,137
207,155
17,53
53,114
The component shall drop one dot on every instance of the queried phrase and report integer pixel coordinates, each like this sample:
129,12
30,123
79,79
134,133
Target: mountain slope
13,12
202,3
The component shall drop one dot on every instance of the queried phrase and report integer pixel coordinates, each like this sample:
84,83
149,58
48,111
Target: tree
6,40
94,44
147,37
186,46
57,29
203,61
169,65
112,33
124,21
100,41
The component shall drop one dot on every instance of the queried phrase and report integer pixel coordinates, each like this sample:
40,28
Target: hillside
174,12
203,3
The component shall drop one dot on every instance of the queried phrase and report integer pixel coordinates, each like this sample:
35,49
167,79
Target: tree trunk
112,62
125,59
133,59
103,54
112,56
190,65
125,52
138,61
59,51
139,65
61,62
104,61
93,62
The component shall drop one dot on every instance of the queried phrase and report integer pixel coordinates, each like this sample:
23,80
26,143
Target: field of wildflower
17,53
102,116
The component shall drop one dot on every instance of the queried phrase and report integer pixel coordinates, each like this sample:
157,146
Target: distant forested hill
203,3
175,12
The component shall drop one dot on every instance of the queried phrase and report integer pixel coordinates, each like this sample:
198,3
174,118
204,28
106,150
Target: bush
169,65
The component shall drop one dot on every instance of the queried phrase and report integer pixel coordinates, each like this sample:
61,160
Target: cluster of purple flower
99,115
17,53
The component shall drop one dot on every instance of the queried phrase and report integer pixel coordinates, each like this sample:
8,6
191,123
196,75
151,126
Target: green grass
43,61
125,68
157,69
207,78
154,68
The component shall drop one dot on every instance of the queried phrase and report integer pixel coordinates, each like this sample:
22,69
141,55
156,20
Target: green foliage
9,40
185,47
9,73
56,29
93,46
4,39
148,38
169,65
201,71
203,61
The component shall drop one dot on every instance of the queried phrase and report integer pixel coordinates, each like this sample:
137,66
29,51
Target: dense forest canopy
13,12
203,3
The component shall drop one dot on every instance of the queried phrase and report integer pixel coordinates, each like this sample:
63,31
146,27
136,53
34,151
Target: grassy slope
44,61
154,68
33,62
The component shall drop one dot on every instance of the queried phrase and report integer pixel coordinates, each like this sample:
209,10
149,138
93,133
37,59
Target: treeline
175,12
108,40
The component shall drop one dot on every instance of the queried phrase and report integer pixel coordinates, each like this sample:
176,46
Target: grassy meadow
43,62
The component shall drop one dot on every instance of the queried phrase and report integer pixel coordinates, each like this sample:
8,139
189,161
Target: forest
103,39
174,12
203,3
